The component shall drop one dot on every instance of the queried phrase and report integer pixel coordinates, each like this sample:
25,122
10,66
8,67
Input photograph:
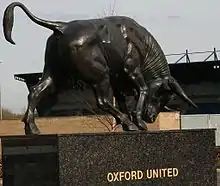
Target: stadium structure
200,80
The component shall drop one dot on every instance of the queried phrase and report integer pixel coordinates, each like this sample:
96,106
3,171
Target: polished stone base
218,177
30,161
183,157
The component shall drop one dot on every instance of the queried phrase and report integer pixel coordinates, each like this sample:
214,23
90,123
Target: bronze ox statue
113,52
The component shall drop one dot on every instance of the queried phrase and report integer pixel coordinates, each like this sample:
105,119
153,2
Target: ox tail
8,21
179,91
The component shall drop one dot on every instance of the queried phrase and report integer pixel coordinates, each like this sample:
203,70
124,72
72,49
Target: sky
176,24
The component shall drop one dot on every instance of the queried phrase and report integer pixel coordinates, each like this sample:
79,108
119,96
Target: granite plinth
30,161
182,157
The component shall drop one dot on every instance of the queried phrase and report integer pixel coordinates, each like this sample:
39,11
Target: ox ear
104,34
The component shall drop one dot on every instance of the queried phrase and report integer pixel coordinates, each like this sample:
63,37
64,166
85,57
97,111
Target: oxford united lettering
140,174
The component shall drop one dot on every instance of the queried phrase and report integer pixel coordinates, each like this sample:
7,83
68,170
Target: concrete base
85,124
166,121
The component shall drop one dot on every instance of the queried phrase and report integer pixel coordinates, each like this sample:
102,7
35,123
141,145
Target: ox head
154,106
151,110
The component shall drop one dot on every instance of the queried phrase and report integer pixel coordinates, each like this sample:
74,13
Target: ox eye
76,48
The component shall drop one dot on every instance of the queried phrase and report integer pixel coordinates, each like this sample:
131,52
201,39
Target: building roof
28,76
196,72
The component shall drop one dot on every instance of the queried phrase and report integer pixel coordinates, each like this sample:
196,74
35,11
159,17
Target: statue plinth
141,158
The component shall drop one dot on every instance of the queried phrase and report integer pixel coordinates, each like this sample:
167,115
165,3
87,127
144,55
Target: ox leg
121,100
36,94
136,75
101,91
153,105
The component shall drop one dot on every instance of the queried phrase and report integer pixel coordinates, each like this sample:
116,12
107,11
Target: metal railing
186,57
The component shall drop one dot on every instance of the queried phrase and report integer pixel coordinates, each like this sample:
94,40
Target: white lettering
175,172
155,173
121,175
116,176
133,175
138,174
110,177
127,175
169,172
149,174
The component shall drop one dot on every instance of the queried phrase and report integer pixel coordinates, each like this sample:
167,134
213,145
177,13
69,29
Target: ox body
115,53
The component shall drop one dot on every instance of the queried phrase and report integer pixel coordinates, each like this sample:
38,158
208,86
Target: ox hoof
31,130
142,125
131,126
127,124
